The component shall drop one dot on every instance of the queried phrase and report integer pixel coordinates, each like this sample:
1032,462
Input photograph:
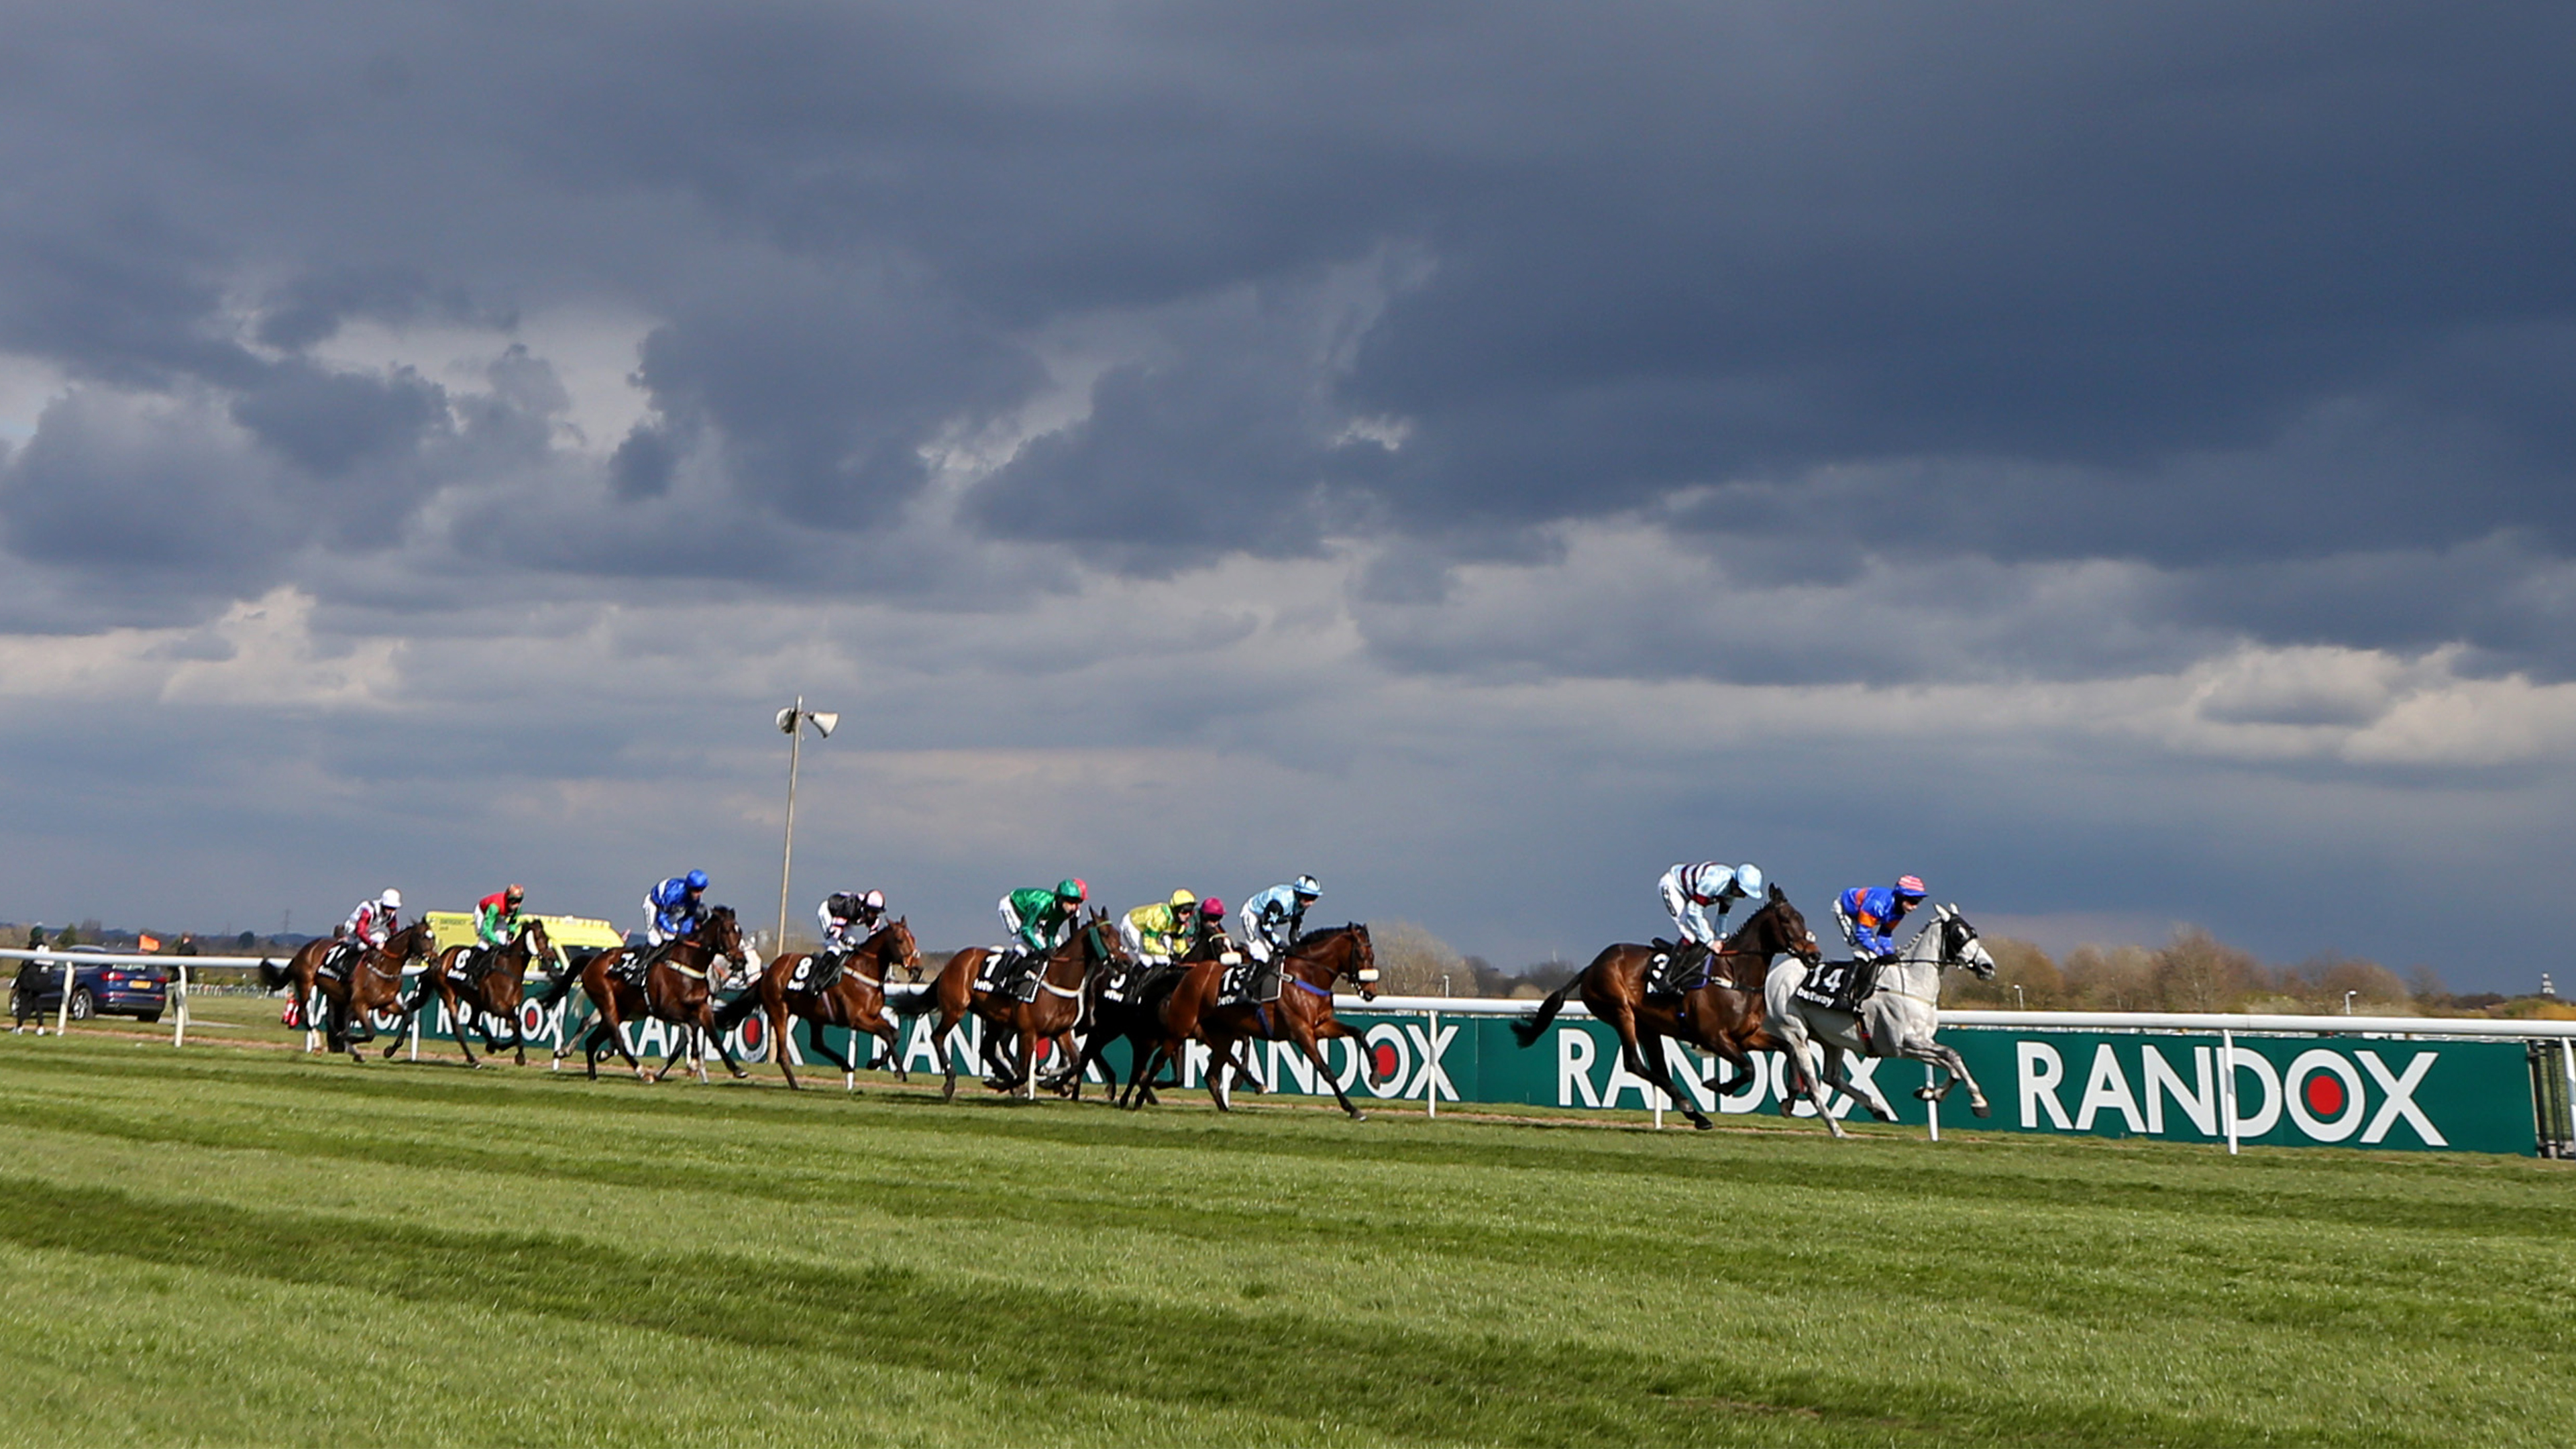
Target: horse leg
724,1053
1956,1070
947,1058
1811,1071
1651,1067
1308,1042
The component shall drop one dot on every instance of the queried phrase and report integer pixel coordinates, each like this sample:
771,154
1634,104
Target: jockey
496,922
1869,915
1211,930
1160,933
672,909
1272,919
372,924
1688,891
675,907
1041,920
848,918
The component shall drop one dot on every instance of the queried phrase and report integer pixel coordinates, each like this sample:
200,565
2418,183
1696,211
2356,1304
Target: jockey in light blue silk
1689,890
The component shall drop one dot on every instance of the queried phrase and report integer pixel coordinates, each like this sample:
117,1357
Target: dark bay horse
676,989
1723,1015
495,989
855,1001
1302,1014
1128,1006
365,980
1053,1014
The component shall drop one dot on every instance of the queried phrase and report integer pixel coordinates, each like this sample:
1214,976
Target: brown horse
1302,1014
675,989
856,1000
1054,1012
358,983
1723,1014
1128,1006
494,990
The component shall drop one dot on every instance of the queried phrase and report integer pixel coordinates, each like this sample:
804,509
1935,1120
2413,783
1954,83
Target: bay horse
1053,1014
1897,1019
1303,1013
495,989
1724,1014
1128,1006
676,989
855,1001
351,988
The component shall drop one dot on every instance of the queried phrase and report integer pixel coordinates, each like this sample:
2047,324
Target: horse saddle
1675,969
629,968
1838,985
819,972
1248,983
1009,974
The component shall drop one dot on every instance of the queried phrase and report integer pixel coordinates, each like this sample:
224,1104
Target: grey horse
1896,1020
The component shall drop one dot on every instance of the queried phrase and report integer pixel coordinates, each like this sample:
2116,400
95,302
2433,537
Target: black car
99,988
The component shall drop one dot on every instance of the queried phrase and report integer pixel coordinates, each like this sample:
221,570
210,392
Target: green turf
229,1246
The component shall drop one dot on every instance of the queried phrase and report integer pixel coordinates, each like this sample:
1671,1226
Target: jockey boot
827,971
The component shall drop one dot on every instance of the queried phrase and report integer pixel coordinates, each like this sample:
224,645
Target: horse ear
1778,894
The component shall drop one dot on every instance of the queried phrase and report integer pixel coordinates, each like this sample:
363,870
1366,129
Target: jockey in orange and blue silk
1869,915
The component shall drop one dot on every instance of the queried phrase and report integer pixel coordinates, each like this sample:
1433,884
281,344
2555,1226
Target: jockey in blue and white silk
675,907
1689,890
1272,919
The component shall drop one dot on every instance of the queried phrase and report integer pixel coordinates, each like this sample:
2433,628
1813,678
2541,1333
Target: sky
2113,462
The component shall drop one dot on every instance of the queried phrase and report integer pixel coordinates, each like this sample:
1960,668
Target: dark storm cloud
2199,286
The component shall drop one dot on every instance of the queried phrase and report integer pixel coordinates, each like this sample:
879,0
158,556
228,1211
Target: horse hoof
1359,1116
1981,1109
1702,1124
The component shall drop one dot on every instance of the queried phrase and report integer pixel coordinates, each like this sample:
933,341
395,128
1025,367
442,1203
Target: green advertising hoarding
2415,1094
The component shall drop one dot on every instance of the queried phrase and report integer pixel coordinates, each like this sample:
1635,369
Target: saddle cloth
1248,982
815,973
1826,984
1011,973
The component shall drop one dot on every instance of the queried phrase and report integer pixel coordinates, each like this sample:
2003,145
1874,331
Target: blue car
99,988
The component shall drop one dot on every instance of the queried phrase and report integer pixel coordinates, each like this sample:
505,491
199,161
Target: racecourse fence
2402,1083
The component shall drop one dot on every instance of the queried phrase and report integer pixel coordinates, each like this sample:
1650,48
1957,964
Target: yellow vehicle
456,928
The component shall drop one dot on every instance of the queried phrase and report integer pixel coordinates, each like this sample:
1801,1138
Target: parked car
99,988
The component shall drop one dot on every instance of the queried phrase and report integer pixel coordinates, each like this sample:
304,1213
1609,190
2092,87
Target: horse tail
731,1014
1526,1029
272,976
558,985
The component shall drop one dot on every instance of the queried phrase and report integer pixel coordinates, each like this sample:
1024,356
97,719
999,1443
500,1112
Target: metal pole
787,853
2227,1085
1931,1105
1431,1079
179,1014
2567,1055
63,1013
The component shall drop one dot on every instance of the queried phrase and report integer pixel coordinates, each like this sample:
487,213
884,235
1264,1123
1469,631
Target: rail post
63,1012
179,1011
1431,1079
1931,1104
2227,1085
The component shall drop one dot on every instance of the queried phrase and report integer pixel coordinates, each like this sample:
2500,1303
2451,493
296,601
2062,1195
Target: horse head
534,940
896,947
1960,946
723,935
1777,929
1361,965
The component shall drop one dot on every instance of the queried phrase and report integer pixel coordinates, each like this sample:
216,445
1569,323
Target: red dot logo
1383,1061
2324,1093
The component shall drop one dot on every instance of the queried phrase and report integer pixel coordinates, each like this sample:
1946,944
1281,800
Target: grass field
228,1246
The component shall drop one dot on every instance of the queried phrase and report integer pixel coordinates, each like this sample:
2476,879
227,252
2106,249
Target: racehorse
1302,1014
1053,1013
1724,1014
1128,1006
1896,1020
494,990
856,1000
351,987
675,990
